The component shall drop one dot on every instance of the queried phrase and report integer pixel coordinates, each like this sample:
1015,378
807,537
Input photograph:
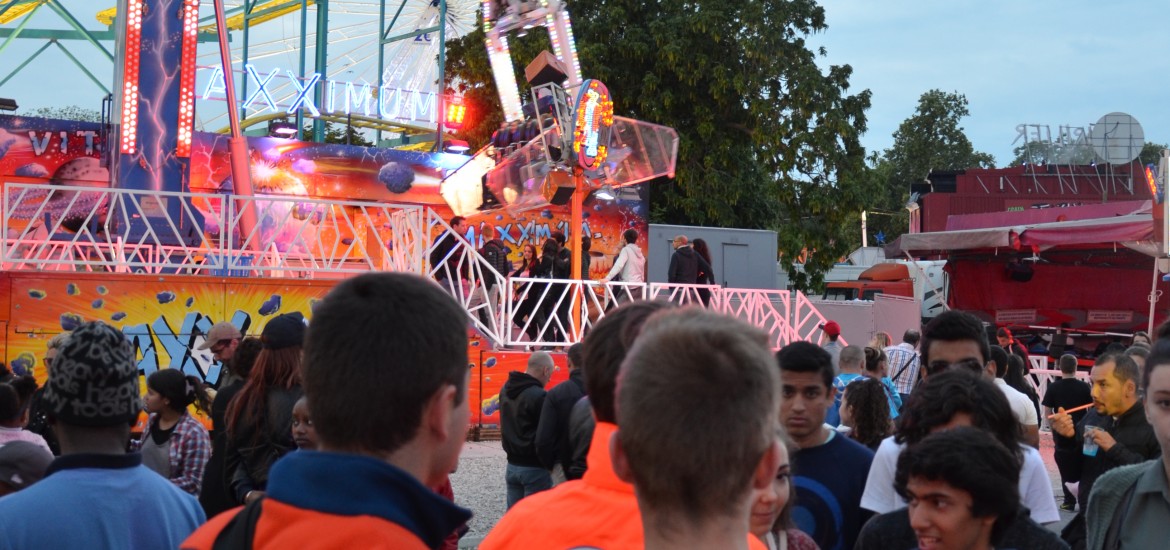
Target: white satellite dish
1117,138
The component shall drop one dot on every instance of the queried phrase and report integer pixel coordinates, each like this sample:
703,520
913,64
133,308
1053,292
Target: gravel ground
479,486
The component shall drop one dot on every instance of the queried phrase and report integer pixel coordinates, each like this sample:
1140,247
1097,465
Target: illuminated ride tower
501,17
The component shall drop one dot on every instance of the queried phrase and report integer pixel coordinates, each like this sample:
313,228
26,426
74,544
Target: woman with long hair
877,366
706,272
173,443
259,419
527,316
865,409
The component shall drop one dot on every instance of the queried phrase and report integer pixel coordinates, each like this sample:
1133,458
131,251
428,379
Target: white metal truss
121,230
86,229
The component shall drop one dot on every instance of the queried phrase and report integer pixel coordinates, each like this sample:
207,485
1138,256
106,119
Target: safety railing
51,227
62,228
455,264
540,312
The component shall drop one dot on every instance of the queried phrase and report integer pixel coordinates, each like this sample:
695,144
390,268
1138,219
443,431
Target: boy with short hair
692,478
385,373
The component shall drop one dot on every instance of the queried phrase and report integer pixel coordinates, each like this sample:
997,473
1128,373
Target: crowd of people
677,428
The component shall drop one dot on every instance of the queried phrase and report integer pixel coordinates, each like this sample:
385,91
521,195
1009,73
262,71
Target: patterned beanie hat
94,381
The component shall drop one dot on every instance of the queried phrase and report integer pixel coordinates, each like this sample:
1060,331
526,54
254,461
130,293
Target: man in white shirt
955,341
1021,405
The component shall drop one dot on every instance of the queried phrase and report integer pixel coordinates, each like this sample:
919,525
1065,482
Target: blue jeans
525,480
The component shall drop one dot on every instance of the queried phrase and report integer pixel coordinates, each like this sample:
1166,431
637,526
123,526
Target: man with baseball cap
222,340
110,499
833,331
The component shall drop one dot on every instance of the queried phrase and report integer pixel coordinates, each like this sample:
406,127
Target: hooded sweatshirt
630,264
521,399
684,266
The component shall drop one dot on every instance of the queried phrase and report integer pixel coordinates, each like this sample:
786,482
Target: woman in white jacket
630,263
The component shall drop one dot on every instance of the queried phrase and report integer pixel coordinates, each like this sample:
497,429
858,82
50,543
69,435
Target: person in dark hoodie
496,253
521,400
552,433
685,263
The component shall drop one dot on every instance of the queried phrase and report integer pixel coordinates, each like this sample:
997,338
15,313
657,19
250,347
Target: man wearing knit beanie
111,499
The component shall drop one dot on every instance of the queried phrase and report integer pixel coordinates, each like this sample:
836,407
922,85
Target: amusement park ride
150,223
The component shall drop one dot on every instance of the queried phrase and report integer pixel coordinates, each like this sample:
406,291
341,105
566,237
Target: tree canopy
929,140
768,139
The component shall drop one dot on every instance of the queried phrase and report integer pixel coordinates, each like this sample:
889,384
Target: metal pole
248,5
580,189
241,175
304,30
381,65
442,99
321,64
19,28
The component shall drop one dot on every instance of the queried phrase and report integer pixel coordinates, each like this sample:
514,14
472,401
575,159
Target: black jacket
562,264
685,265
581,426
496,253
521,399
1136,443
552,434
439,255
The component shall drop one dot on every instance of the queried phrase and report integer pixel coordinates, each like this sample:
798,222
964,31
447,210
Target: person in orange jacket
600,509
385,373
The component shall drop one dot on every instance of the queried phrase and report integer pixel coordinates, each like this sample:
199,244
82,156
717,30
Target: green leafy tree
469,74
1152,153
930,140
767,138
340,133
1038,152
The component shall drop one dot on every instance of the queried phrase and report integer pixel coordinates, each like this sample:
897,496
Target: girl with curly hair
866,411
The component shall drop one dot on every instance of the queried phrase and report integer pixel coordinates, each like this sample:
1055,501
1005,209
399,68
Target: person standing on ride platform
630,265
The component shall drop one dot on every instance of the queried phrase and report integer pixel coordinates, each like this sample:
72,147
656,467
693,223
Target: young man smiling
975,506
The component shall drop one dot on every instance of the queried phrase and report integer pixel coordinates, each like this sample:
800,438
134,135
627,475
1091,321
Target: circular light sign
594,117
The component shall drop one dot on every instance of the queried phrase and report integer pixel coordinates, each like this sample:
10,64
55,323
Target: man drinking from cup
1113,433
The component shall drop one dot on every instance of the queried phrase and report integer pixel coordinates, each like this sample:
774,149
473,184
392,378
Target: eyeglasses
970,364
48,361
220,345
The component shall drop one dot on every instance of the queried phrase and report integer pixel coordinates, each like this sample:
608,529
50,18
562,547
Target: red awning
1135,227
1102,231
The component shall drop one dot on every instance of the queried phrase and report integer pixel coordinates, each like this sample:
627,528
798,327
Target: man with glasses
957,341
222,340
38,416
954,339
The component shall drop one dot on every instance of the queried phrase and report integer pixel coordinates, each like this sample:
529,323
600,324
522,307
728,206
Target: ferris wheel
362,36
